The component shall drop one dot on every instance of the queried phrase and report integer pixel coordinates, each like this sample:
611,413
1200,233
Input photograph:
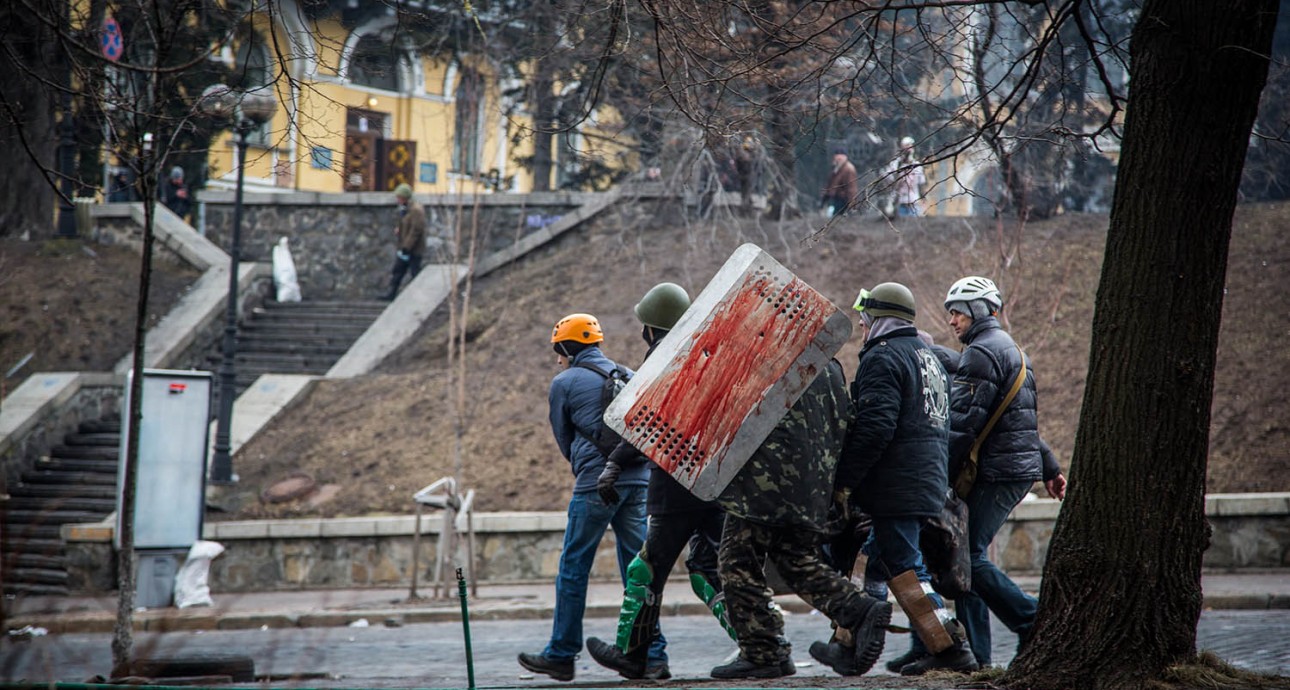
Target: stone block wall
122,230
343,244
1250,532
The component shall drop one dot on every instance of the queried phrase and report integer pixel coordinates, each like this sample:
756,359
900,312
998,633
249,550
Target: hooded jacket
574,400
987,368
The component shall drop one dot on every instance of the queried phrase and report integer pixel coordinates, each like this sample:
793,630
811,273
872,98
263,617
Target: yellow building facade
360,108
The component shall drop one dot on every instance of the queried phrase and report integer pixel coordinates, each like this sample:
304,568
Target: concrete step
100,426
34,560
98,439
303,346
25,532
84,452
318,317
64,477
99,465
61,489
275,361
346,332
21,520
368,306
59,503
34,590
14,545
37,576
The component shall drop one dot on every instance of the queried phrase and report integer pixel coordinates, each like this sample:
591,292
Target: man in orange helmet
576,408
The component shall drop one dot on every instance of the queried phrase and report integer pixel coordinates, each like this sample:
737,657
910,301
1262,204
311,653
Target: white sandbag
284,273
191,582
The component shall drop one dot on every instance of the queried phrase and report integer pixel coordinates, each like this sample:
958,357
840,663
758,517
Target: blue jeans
588,519
892,549
992,590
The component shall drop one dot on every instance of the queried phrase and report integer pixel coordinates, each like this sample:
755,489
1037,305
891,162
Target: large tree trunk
27,133
1121,590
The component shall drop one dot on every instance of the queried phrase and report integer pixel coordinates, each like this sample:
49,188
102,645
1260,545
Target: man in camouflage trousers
776,508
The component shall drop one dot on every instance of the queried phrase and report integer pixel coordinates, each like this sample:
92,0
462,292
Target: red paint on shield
689,416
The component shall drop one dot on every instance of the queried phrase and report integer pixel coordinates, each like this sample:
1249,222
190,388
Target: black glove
605,484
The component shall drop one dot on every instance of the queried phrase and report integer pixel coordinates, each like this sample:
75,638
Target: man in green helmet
676,517
894,467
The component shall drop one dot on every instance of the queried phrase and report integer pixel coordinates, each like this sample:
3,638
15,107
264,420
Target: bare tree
144,97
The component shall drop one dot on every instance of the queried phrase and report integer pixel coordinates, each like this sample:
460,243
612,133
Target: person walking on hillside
995,456
894,468
776,508
410,234
906,176
843,187
676,517
575,413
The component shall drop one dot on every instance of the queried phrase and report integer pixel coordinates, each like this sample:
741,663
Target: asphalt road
433,655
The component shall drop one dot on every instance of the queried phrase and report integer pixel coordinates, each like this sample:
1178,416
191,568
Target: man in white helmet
1008,458
905,175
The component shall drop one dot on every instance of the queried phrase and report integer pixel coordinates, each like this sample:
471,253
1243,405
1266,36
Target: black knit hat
570,348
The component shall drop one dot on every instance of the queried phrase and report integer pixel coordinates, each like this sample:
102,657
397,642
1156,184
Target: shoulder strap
967,475
591,367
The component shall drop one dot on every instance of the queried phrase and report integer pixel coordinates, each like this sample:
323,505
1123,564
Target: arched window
469,97
254,72
375,63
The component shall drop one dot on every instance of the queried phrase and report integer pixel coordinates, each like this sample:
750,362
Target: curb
175,620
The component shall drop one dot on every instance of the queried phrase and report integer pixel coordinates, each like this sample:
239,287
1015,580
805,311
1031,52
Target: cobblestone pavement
432,654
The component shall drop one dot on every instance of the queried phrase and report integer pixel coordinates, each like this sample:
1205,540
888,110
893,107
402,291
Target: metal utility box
154,585
716,386
171,475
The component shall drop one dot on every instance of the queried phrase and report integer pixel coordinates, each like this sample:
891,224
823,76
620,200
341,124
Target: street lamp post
249,110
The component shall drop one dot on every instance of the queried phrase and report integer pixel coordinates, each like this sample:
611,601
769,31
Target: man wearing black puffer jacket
1009,459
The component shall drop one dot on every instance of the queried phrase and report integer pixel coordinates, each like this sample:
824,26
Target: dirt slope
72,304
381,437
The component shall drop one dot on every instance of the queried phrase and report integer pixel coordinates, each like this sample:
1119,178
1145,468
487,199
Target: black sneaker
904,660
870,635
833,654
559,670
743,668
612,658
958,659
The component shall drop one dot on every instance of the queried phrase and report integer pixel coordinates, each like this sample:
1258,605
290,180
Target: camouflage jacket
788,481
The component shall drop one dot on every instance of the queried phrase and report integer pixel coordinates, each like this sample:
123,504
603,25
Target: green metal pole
465,627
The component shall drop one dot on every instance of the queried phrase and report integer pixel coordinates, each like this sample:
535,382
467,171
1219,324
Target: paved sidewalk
340,607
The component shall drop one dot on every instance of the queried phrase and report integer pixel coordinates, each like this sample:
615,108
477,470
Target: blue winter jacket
575,404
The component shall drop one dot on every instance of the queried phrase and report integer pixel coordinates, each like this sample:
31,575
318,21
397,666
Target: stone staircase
297,337
76,483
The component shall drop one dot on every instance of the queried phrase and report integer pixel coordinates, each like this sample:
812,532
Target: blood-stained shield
716,386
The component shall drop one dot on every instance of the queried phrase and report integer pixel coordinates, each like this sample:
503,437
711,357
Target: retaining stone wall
516,547
343,244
